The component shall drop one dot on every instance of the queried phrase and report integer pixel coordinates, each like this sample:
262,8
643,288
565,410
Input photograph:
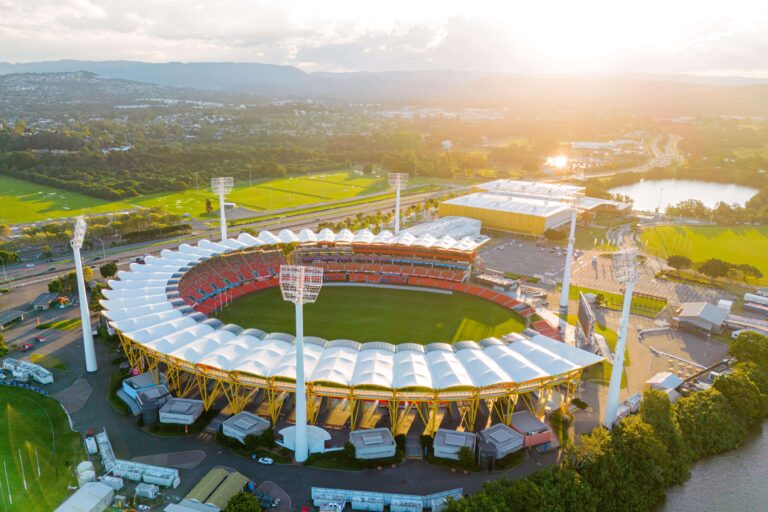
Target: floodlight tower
222,187
397,180
78,235
300,285
625,270
568,259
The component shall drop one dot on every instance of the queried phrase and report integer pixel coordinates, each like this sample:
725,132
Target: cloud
683,36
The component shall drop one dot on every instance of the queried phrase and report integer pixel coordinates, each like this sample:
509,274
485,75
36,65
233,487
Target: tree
749,270
750,347
208,206
554,235
3,346
367,169
714,267
466,457
243,502
108,270
657,412
744,397
679,262
9,257
5,231
708,423
55,286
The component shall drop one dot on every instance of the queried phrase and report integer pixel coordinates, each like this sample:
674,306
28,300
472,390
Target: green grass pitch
378,314
23,202
29,421
738,244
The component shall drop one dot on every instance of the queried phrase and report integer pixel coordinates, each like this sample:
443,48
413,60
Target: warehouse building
535,432
207,485
233,484
700,317
516,214
375,443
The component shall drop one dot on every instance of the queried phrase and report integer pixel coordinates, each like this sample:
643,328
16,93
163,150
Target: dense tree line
629,467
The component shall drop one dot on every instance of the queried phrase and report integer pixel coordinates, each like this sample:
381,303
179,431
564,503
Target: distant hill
660,94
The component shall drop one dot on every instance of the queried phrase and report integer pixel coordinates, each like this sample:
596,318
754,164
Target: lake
646,193
735,481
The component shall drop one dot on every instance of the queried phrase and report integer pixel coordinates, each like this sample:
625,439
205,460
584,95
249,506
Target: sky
543,36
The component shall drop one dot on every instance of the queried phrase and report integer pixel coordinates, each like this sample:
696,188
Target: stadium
162,312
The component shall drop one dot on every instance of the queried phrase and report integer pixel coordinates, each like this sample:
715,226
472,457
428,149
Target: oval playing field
378,314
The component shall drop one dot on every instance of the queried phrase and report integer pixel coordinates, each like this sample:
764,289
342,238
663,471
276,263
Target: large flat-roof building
534,431
91,497
525,207
526,215
701,317
376,443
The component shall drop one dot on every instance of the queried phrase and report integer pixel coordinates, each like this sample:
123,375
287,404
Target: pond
646,193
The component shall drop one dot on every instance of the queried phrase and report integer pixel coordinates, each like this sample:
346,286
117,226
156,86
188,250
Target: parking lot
527,257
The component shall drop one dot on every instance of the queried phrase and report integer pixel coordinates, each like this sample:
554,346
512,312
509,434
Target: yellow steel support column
504,407
274,408
353,405
468,409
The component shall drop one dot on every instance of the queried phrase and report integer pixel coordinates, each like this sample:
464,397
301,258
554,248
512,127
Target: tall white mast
222,187
397,180
78,235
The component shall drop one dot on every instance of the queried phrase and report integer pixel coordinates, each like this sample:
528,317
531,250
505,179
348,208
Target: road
660,158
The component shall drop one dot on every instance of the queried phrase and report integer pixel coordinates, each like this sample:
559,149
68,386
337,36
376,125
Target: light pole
5,275
397,180
564,292
625,271
222,187
85,317
300,285
658,206
103,250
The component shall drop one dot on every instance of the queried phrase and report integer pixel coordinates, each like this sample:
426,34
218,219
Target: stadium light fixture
300,285
625,272
565,290
397,180
78,235
222,187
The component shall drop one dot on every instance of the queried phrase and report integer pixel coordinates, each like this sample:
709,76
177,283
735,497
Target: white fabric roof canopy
139,306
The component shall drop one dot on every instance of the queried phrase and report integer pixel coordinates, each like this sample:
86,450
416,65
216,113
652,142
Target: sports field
30,422
378,314
269,194
748,244
23,202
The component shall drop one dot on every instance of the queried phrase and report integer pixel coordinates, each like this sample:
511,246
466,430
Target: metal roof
138,306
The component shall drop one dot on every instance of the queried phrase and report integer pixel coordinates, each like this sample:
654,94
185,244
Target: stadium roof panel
139,306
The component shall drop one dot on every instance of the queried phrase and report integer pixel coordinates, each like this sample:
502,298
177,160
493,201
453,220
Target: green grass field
641,305
22,202
378,314
747,244
61,325
28,422
270,194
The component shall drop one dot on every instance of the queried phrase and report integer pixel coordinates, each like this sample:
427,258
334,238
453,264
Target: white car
30,265
143,507
266,461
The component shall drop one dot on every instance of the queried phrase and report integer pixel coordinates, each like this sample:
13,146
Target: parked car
26,347
29,265
40,339
266,461
51,269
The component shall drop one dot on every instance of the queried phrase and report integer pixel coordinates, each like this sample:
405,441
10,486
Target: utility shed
190,506
376,443
664,381
91,497
500,440
534,431
233,484
43,301
181,411
447,443
205,487
242,425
